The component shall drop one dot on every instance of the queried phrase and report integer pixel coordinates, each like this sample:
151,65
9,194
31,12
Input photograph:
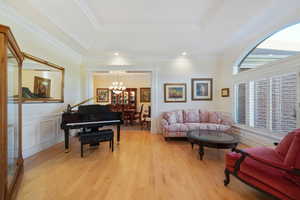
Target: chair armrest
296,172
259,159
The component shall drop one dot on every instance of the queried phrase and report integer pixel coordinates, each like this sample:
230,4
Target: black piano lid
93,109
91,113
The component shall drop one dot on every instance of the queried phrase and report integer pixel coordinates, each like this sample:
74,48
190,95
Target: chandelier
117,87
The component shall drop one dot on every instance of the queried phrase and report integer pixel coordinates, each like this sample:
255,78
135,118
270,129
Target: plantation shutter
241,103
261,103
284,98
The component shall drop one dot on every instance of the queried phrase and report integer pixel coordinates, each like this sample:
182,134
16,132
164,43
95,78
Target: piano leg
118,134
66,140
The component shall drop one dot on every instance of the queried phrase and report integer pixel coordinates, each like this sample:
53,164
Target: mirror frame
51,65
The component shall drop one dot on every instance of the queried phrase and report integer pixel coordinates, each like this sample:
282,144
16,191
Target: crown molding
10,13
89,14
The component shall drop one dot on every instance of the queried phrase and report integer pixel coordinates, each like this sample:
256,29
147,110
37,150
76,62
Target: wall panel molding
41,132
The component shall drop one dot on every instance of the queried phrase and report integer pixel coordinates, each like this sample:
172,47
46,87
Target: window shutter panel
284,99
276,101
261,103
241,103
269,103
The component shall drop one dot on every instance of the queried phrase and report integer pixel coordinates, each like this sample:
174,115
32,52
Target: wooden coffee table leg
201,152
192,145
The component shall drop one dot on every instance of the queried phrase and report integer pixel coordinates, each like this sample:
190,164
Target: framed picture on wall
175,92
42,87
145,95
202,89
102,95
225,92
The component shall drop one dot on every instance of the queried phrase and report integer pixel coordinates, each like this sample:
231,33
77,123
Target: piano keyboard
95,122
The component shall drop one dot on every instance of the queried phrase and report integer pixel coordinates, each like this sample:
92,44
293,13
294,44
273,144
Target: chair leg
109,143
81,150
227,177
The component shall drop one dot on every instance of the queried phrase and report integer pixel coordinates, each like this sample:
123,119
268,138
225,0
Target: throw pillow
191,116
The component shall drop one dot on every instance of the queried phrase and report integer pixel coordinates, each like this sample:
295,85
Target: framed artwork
225,92
42,87
175,92
102,95
202,89
145,95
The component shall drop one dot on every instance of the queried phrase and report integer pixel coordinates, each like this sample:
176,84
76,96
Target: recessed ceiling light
184,53
116,54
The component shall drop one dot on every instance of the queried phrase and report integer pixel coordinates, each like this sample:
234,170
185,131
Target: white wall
41,121
182,70
170,70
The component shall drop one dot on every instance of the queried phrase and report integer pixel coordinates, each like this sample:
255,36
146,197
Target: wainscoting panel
29,139
40,132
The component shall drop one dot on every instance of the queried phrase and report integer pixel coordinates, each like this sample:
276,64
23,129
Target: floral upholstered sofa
177,123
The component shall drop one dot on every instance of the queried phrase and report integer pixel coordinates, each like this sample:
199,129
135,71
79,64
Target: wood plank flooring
143,167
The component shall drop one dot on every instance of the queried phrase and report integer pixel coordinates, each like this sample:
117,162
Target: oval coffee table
213,139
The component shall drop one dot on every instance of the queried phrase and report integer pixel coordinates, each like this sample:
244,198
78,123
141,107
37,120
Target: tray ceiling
154,27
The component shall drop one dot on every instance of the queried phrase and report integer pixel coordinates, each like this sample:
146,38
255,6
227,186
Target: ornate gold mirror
42,81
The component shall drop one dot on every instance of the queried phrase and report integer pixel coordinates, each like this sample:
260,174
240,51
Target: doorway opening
128,92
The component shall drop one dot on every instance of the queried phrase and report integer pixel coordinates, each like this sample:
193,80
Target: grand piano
89,117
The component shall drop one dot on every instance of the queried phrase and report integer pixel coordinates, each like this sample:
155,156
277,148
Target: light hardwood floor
143,167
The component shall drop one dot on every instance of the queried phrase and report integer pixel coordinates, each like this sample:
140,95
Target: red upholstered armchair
273,171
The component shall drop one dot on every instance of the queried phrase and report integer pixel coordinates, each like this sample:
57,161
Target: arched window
266,100
280,45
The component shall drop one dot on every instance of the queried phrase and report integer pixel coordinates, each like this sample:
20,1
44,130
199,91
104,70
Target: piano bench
96,137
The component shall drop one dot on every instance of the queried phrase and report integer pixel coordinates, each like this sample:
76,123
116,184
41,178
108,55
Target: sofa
275,171
177,123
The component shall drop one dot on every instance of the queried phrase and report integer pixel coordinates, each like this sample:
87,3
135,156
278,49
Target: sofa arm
164,124
226,120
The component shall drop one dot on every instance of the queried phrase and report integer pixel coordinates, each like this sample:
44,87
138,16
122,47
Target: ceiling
156,27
